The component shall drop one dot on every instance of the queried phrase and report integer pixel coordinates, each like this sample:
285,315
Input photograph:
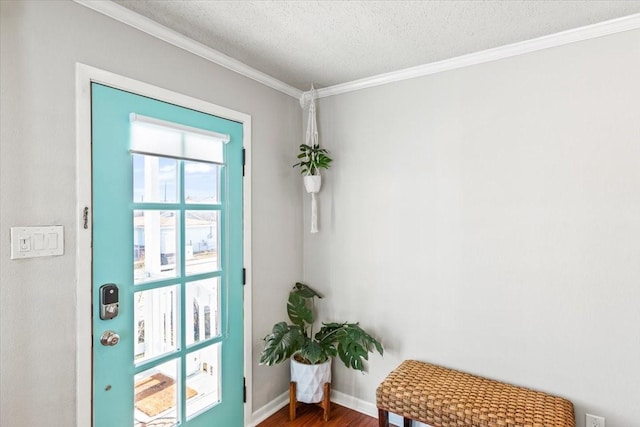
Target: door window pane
201,182
155,240
201,241
202,310
156,396
155,179
203,377
155,327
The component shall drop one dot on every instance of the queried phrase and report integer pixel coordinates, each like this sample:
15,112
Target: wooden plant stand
325,404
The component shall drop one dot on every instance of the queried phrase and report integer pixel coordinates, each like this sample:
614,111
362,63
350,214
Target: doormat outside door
157,393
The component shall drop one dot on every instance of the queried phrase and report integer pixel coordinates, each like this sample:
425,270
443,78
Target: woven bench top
444,397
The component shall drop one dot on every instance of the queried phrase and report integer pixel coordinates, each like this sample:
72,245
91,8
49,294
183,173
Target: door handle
109,338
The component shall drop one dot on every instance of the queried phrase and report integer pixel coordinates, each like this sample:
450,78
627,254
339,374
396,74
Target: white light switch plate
31,242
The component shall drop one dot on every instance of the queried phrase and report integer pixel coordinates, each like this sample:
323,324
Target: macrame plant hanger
312,183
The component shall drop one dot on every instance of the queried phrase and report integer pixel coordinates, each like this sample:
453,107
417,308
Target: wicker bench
442,397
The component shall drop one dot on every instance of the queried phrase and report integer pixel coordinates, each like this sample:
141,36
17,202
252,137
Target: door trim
85,75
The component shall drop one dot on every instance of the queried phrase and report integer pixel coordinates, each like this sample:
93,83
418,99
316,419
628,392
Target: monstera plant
347,341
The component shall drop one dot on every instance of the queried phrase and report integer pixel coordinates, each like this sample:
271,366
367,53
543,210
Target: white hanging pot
310,380
312,183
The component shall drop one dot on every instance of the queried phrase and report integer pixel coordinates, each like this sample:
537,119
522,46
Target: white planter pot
310,380
312,183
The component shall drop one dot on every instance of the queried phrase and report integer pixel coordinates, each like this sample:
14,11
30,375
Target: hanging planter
312,159
312,183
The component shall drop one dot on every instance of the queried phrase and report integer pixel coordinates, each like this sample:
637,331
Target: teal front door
167,264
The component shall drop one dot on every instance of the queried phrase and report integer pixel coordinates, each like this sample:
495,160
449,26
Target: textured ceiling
332,42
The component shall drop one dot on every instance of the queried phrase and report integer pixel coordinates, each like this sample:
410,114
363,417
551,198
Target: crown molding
144,24
135,20
630,22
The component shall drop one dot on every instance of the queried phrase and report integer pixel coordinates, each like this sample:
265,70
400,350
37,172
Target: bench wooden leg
383,418
407,422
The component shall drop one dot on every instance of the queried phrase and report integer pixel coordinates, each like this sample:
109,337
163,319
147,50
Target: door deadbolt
109,338
108,301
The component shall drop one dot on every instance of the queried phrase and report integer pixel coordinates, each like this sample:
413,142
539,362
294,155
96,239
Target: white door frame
85,75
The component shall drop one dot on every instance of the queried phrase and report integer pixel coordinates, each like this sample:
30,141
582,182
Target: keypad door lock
109,304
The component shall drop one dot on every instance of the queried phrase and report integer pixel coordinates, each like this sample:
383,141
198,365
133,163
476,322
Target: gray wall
488,219
41,43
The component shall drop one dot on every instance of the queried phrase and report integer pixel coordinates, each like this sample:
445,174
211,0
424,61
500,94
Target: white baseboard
348,401
267,410
367,408
343,399
338,397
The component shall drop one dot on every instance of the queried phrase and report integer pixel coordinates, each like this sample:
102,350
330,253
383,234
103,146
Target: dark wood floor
311,416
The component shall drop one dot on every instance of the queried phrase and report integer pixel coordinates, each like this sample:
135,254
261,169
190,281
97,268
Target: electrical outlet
594,421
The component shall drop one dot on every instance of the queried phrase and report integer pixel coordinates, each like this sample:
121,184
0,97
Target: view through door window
177,233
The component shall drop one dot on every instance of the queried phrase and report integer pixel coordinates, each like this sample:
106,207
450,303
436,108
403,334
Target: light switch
25,243
38,241
52,241
30,242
